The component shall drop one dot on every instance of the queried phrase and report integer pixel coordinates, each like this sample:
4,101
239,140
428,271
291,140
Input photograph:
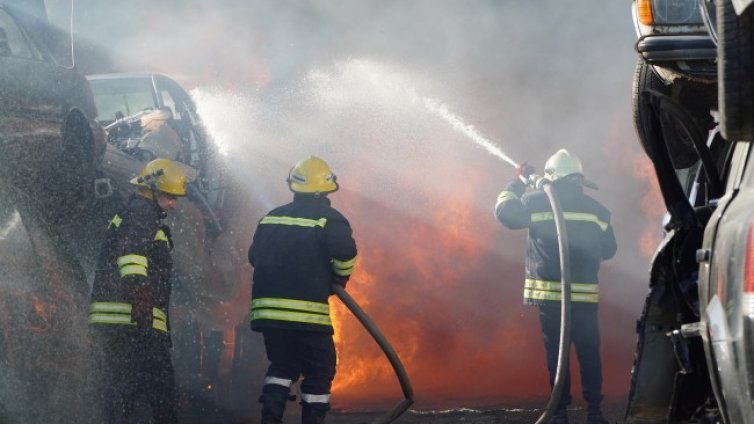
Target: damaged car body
694,349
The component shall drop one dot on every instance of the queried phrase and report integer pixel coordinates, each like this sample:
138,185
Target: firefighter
128,315
298,251
590,239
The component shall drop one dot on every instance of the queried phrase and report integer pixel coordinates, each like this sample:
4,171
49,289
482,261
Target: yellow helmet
312,175
562,164
166,176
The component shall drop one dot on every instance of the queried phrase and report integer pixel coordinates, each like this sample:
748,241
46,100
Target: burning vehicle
694,351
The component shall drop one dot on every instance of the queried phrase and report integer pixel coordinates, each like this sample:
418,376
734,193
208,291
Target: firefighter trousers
585,338
293,354
136,367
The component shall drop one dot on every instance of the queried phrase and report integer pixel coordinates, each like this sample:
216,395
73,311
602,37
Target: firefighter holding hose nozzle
128,314
298,251
590,241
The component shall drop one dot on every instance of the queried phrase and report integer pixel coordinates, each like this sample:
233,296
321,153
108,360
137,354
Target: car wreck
694,348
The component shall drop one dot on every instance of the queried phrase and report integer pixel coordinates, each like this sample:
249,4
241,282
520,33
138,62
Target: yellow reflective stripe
132,265
110,319
120,313
158,314
570,216
161,236
160,325
299,305
281,315
132,260
114,307
115,221
575,297
288,220
343,268
554,286
132,270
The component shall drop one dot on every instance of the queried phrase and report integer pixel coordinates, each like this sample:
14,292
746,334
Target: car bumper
693,56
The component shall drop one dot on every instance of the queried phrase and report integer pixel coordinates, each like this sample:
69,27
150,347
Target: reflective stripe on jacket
119,313
590,238
298,251
539,290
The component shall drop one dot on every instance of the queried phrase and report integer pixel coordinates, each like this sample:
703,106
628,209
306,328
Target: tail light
748,285
748,277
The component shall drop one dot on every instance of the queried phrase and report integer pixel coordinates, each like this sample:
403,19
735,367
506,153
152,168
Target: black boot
559,417
273,401
594,416
313,414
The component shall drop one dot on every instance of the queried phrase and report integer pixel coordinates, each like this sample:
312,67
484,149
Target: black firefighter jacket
135,253
298,251
590,238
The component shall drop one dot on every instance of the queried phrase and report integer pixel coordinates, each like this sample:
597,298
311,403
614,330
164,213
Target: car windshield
126,95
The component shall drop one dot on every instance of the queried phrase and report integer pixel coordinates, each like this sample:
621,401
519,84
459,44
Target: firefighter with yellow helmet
128,314
298,251
590,239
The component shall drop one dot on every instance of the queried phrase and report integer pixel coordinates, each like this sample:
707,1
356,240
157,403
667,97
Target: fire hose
378,337
565,305
538,182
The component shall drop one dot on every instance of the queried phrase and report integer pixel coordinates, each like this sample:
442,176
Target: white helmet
562,164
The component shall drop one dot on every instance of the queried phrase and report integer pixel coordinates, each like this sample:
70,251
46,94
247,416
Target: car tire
75,173
735,53
645,79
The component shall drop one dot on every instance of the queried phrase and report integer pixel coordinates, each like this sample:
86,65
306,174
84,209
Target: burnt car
50,145
695,349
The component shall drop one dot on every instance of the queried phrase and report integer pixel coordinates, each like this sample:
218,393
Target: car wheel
75,171
645,79
694,98
735,53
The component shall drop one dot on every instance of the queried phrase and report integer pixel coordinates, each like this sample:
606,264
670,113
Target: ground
613,413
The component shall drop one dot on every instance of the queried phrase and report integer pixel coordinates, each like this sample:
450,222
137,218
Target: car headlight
669,12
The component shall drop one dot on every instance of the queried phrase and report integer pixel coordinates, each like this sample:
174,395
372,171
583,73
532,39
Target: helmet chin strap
161,212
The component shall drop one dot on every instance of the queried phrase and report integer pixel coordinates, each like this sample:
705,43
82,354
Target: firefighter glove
141,311
523,171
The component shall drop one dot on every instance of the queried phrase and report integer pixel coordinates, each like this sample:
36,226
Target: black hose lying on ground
400,372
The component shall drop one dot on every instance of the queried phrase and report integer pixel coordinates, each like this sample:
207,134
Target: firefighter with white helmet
298,251
128,314
590,239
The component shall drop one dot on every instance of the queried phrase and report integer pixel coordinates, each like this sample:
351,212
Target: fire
450,309
43,312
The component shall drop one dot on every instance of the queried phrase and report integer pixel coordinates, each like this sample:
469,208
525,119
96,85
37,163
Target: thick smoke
278,80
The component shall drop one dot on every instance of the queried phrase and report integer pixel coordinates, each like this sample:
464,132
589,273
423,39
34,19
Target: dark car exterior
50,144
726,291
695,349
